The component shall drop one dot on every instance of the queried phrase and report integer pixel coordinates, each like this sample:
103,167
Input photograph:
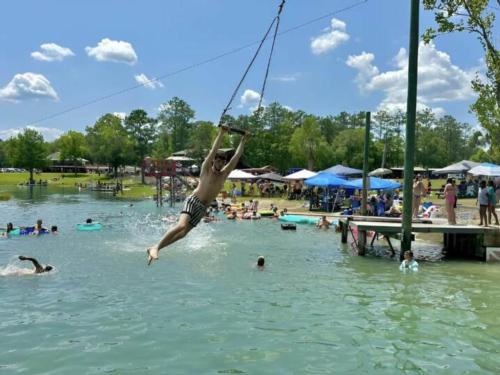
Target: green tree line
281,137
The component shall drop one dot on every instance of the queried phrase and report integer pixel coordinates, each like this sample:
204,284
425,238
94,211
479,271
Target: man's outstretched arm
234,160
215,146
37,265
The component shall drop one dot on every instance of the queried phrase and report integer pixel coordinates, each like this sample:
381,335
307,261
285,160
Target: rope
270,56
276,23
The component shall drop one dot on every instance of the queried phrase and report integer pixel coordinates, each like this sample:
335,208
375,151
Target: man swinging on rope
214,172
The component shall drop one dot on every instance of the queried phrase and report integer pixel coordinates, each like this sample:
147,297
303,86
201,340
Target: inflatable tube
89,227
266,213
289,226
13,232
27,231
299,219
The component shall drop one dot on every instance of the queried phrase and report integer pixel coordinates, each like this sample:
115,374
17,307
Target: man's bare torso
211,183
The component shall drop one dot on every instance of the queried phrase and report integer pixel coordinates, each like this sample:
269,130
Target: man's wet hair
48,268
260,261
88,221
53,228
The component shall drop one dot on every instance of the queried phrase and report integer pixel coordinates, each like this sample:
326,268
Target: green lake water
204,308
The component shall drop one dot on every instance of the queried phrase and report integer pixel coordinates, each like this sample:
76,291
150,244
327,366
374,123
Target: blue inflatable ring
89,226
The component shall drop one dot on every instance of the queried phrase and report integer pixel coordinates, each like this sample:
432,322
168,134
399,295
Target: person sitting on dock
323,223
38,267
409,263
214,172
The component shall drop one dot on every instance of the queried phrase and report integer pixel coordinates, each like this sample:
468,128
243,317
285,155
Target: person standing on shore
482,198
418,193
450,195
214,172
492,202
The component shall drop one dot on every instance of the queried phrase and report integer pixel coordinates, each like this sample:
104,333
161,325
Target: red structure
158,168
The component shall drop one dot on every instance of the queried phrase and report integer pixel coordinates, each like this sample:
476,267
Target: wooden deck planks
388,227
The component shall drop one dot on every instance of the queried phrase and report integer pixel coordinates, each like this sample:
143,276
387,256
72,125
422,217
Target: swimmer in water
409,262
38,267
260,262
323,223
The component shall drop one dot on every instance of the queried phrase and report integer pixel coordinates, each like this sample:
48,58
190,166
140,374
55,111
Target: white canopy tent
460,167
300,175
380,172
486,169
238,174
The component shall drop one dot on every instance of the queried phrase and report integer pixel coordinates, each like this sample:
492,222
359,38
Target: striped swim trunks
195,209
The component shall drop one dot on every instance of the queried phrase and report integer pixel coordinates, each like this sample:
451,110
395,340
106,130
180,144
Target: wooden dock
467,241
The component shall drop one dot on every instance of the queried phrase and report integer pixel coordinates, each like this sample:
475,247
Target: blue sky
57,55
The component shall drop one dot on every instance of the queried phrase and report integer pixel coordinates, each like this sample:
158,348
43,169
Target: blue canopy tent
375,183
327,181
340,170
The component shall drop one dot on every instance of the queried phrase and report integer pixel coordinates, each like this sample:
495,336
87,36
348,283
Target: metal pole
364,197
411,108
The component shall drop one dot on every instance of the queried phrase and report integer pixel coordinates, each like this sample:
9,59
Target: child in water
409,263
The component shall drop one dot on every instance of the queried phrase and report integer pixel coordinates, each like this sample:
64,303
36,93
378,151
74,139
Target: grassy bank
133,189
4,196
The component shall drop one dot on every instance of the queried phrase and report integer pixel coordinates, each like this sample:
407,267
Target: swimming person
214,172
409,263
39,229
260,262
10,228
323,223
38,266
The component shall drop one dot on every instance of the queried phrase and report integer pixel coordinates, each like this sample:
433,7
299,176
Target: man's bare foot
152,254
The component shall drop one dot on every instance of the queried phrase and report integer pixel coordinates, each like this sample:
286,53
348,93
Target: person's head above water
261,261
10,227
53,229
39,223
408,255
89,221
48,268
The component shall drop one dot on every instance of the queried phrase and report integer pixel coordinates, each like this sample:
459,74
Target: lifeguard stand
159,169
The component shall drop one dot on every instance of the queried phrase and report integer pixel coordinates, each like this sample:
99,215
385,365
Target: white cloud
334,36
114,51
149,83
439,80
120,115
52,52
363,64
49,134
250,99
287,77
28,86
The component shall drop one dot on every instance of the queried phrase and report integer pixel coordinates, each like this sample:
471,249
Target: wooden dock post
344,226
364,193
